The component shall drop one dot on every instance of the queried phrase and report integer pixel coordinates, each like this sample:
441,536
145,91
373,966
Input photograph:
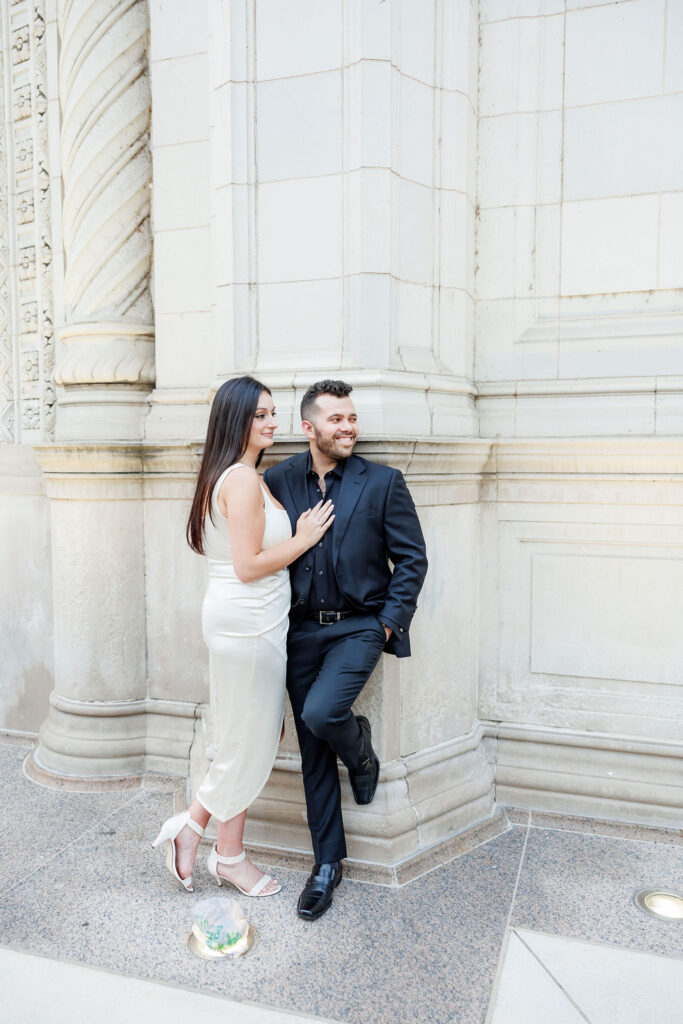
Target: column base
96,739
421,800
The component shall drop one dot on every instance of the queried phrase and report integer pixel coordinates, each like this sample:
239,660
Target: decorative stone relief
28,317
27,263
25,208
20,45
22,102
106,166
31,366
30,414
23,160
27,391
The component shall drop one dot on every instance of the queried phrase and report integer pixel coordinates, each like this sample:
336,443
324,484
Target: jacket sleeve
406,548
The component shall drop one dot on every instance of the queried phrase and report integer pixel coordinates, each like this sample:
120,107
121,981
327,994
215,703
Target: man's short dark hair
336,388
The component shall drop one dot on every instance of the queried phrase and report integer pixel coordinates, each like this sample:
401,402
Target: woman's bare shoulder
241,489
239,474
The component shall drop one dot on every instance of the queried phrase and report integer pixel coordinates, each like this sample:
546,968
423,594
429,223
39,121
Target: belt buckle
327,618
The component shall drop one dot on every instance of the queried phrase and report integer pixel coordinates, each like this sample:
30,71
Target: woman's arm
240,500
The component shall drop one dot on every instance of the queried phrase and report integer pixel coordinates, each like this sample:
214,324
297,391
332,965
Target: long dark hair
227,437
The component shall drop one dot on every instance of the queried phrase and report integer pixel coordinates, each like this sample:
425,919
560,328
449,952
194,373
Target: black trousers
327,667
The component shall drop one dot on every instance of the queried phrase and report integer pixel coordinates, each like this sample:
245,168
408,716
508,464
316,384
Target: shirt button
307,568
320,544
322,600
320,572
301,600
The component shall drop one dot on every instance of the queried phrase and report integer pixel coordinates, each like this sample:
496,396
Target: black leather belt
327,618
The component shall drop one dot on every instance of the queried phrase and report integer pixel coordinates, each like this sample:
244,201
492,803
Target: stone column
97,723
106,365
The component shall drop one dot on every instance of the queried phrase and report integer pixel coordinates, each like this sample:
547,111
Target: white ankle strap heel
215,859
168,834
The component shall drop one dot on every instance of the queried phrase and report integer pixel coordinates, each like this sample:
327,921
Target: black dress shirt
324,594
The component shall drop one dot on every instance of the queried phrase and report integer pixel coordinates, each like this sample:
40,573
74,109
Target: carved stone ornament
27,392
22,102
25,207
31,366
27,263
23,160
99,353
21,50
28,317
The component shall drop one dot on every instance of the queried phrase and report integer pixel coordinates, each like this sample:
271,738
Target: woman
247,537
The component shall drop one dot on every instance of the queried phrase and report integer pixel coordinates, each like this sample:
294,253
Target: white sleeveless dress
245,629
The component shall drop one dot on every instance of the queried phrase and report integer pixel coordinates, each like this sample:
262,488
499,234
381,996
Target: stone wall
580,260
578,331
469,212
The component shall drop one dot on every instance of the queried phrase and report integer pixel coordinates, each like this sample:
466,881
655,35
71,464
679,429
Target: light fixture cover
662,904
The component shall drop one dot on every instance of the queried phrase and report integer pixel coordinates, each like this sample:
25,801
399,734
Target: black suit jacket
375,521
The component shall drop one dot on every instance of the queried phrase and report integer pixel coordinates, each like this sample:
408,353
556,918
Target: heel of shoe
168,834
170,828
159,840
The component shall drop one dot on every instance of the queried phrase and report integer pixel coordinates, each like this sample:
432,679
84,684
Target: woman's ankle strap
195,826
230,860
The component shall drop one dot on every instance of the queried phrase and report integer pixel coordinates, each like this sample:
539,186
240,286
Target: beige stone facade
469,211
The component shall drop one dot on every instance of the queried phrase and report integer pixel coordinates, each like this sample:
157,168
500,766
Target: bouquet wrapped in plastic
219,926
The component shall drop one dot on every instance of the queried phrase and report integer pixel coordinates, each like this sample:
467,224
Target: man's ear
308,430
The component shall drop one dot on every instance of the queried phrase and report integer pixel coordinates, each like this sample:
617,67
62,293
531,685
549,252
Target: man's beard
331,448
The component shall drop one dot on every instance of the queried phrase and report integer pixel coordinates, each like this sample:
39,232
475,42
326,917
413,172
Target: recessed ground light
662,904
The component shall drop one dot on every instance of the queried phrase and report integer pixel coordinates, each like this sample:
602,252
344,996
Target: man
347,607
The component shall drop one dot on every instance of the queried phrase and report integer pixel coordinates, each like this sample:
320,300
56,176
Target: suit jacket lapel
353,481
296,482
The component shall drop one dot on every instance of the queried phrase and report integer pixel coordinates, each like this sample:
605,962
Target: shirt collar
337,470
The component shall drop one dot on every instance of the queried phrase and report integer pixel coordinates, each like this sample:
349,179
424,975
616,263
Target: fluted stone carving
106,166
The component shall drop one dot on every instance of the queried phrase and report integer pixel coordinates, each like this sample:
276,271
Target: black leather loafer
364,779
316,896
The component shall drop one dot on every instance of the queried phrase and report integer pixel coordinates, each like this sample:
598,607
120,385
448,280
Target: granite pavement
81,883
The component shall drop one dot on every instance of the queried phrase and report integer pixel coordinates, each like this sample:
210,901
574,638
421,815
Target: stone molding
639,323
402,380
449,788
572,387
621,778
602,457
439,471
420,459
